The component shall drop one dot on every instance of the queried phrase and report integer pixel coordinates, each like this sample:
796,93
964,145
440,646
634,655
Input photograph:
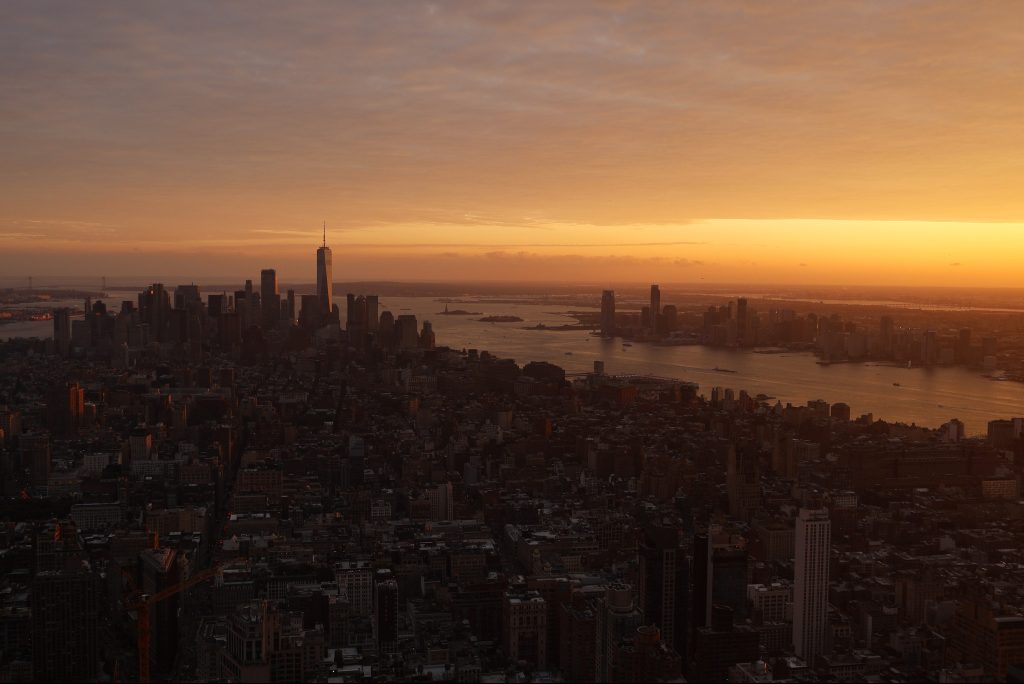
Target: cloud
56,228
202,121
498,245
955,263
11,235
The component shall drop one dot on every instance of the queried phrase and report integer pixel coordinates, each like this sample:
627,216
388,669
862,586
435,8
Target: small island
458,312
501,319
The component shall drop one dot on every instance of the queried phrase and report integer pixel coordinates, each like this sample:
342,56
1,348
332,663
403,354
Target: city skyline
473,142
481,341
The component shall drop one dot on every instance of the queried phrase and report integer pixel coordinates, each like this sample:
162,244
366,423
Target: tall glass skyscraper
325,275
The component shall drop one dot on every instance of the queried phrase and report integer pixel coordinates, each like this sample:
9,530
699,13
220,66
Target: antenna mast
325,233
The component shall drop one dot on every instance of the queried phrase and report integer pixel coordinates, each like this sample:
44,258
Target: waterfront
925,396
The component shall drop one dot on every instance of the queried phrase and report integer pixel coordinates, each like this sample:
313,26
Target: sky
603,142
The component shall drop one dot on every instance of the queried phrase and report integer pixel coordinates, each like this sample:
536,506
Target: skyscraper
608,313
664,585
62,331
159,571
154,309
270,297
743,476
386,612
325,276
742,322
372,312
617,618
810,602
65,625
186,296
655,304
703,578
64,408
524,627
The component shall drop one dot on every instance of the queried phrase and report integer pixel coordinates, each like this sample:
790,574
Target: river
925,396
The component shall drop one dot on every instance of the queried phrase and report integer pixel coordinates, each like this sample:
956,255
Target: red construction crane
142,608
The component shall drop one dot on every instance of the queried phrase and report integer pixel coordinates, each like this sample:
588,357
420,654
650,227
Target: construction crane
146,602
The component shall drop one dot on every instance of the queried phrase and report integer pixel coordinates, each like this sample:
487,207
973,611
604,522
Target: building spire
325,233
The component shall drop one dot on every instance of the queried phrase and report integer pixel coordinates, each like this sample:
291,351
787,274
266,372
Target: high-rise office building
428,340
671,315
65,407
729,580
159,571
441,501
813,540
703,577
930,347
355,312
655,304
608,313
65,626
664,585
386,612
270,297
356,578
386,329
311,311
10,424
372,312
406,332
155,308
186,296
62,331
887,333
325,276
742,323
721,645
743,477
617,619
524,627
266,643
216,304
963,345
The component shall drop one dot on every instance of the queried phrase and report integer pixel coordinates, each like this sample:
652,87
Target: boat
896,384
723,370
627,344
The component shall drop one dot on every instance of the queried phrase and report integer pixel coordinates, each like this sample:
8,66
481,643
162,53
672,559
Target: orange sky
869,142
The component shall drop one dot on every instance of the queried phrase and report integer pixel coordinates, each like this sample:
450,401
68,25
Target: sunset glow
612,142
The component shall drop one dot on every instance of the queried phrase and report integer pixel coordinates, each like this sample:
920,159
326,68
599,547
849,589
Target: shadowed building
65,617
